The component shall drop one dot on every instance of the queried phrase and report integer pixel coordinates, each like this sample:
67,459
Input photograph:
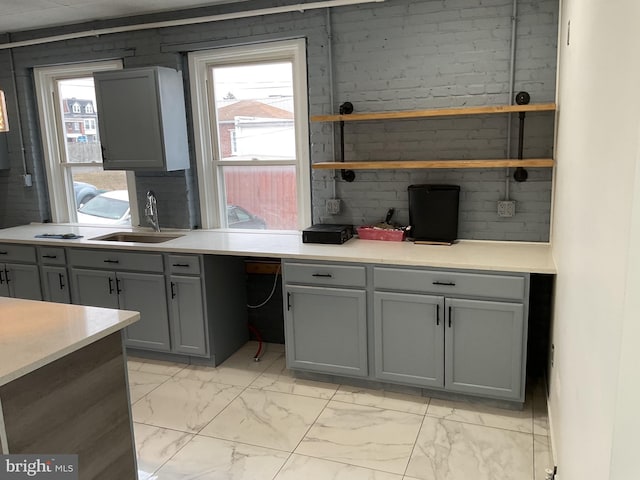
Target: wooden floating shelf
437,112
395,164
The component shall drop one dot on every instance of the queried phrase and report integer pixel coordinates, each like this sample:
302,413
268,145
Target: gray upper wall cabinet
142,119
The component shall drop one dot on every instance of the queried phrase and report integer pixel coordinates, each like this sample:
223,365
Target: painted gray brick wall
430,54
401,54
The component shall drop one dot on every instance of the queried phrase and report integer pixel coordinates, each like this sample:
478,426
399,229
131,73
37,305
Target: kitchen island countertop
34,334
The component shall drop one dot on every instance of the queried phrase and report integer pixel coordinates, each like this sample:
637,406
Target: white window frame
59,178
210,183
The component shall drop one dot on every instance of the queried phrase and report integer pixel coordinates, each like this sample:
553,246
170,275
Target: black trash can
433,213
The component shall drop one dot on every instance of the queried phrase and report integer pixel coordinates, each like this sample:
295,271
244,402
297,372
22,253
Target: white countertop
34,334
466,254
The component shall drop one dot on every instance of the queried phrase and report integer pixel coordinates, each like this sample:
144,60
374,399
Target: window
88,108
79,189
252,140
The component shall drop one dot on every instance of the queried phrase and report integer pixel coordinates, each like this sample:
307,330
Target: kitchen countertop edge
505,256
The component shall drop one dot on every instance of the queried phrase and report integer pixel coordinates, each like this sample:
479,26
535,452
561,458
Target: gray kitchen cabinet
186,305
142,119
145,293
434,328
95,288
484,347
104,278
409,338
326,318
54,275
55,284
141,292
19,276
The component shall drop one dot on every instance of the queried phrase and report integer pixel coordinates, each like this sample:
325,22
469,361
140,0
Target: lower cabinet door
409,338
189,332
4,286
55,283
23,281
95,288
326,330
145,293
484,347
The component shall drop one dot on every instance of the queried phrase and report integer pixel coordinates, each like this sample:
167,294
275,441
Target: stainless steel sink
139,237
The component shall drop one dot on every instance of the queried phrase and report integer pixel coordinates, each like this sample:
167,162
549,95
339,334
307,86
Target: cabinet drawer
447,283
312,274
189,264
17,253
51,255
116,260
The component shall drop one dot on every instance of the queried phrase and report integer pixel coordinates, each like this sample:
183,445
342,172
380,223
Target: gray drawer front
17,253
450,283
51,255
187,264
116,260
311,274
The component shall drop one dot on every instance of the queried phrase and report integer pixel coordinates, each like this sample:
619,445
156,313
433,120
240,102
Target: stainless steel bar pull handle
61,281
437,315
449,317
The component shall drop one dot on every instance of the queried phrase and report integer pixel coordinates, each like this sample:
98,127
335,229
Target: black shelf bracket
521,175
345,109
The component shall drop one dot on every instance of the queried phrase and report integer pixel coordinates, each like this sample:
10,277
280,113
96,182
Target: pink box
370,233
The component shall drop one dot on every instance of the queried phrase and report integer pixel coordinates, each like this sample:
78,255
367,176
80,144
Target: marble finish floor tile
267,419
214,459
277,378
540,412
160,367
382,399
183,404
141,383
308,468
252,346
448,450
467,412
364,436
154,446
133,363
542,458
239,369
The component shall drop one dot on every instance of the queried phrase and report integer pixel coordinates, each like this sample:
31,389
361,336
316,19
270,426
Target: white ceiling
19,15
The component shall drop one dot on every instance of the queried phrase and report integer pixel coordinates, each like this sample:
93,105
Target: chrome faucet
151,211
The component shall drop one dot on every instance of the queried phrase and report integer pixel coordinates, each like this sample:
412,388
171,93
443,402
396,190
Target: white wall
595,329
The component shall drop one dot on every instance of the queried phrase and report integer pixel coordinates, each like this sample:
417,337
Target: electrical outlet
333,206
506,208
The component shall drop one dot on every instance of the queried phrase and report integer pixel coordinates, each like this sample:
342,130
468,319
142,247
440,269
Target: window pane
261,197
77,107
254,105
101,196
